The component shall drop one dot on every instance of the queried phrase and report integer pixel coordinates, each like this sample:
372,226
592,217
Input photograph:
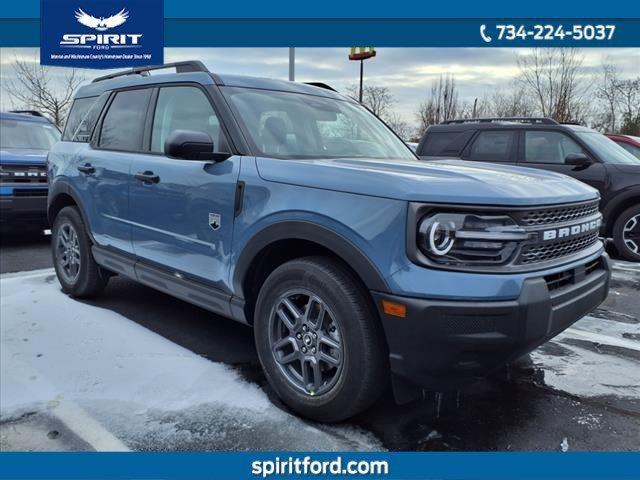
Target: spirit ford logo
101,24
101,39
101,34
567,232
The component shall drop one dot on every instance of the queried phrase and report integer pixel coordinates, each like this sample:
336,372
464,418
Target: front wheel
319,340
77,271
626,234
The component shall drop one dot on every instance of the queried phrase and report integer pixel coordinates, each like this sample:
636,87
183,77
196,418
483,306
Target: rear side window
493,146
82,118
123,124
440,143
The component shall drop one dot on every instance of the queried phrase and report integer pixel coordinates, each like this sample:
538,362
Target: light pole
292,64
361,55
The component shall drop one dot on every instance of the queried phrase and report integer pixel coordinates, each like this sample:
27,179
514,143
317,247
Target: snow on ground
600,354
117,385
120,386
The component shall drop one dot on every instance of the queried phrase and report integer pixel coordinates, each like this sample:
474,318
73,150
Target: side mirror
189,145
577,159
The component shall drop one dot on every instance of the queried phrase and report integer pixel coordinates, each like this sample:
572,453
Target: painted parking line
72,415
87,428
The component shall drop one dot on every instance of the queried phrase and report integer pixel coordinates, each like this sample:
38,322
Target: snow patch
148,391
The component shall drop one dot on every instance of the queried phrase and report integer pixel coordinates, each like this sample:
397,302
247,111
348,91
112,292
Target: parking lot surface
138,370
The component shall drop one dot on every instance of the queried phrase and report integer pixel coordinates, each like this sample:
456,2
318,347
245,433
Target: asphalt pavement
580,391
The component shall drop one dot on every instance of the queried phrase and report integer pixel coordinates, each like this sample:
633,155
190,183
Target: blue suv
25,139
293,209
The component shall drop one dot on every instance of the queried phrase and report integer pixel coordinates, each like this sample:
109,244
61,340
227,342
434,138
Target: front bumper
441,344
23,210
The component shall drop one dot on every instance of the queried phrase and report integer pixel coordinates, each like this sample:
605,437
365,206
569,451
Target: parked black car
577,151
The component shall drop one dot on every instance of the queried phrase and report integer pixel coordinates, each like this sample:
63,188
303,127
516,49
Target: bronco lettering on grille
573,230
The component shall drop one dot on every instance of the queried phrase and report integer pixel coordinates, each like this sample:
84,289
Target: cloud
407,72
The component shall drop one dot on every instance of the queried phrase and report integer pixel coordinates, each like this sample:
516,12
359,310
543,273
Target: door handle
87,168
147,177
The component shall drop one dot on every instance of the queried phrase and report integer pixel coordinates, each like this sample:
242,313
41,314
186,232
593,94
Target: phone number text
552,32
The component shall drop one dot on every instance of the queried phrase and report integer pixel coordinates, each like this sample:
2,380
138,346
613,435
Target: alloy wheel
306,342
68,252
631,234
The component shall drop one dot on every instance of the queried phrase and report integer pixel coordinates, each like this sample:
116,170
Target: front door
182,211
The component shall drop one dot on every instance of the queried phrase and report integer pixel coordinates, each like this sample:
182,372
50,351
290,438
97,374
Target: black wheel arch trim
312,232
60,187
614,205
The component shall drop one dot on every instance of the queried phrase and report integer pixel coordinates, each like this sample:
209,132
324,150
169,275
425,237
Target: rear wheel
626,234
77,271
319,340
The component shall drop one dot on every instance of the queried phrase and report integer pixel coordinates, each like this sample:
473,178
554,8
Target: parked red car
628,142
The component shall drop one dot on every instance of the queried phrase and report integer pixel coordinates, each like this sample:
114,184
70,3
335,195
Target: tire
353,374
77,270
626,234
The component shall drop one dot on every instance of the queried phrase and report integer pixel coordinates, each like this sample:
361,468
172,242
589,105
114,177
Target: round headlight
437,234
451,238
441,237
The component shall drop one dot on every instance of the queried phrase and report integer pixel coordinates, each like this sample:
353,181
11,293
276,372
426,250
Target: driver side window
185,108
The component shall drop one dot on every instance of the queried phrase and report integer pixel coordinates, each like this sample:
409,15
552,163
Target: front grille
23,174
560,214
553,250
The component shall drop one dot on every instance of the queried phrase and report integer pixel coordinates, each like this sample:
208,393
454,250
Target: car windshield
30,135
608,150
294,125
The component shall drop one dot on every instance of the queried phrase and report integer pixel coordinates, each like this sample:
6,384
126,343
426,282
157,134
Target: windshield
30,135
608,150
293,125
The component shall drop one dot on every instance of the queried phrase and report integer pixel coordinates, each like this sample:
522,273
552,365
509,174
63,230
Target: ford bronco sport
292,209
25,139
573,150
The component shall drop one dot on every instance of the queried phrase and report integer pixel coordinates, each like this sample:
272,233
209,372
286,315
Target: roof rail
181,67
34,113
321,85
542,120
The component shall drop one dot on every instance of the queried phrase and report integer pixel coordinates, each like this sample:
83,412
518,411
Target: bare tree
402,128
36,88
511,102
608,92
629,94
377,99
552,78
442,103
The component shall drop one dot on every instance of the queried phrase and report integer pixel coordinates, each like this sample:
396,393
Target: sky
407,72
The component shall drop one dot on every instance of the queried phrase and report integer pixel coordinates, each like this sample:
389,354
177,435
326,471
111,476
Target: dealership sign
101,34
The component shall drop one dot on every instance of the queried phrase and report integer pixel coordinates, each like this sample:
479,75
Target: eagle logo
101,24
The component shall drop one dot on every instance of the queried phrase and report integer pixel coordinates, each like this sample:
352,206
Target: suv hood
445,181
23,156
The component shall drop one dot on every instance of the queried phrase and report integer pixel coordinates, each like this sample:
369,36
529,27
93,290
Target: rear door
182,218
547,149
